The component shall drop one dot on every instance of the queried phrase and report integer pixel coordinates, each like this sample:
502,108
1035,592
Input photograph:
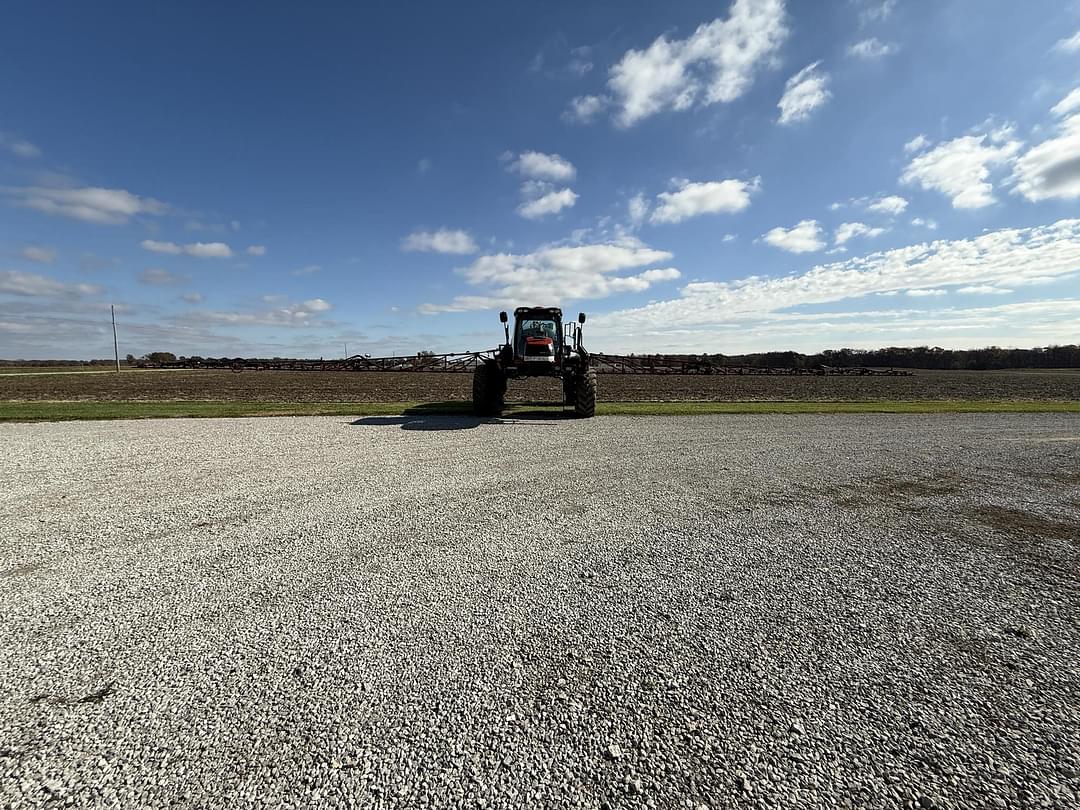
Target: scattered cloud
300,315
192,298
155,246
872,48
711,197
984,289
637,209
424,165
849,230
585,109
874,11
549,202
717,63
443,240
916,144
1051,169
35,285
1006,257
805,237
18,147
201,250
159,277
960,168
924,223
256,250
208,250
307,270
104,206
39,254
558,274
542,171
803,93
1068,44
540,166
926,292
892,205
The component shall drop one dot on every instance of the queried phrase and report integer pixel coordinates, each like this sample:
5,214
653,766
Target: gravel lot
876,611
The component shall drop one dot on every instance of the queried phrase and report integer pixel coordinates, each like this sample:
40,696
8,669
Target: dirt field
285,386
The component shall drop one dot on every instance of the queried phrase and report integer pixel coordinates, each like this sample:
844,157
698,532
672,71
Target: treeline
990,358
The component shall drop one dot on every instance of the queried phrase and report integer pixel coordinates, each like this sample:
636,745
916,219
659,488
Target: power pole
115,348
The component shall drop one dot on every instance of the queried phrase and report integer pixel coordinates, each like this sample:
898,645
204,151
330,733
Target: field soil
332,386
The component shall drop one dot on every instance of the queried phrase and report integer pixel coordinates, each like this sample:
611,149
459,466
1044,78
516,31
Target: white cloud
849,230
34,285
872,48
36,253
307,270
926,292
1051,169
584,109
551,202
1069,104
803,238
984,289
960,168
192,297
301,315
201,250
1006,257
424,165
924,223
106,206
256,250
558,274
18,147
916,144
1068,44
316,305
729,237
540,166
875,10
443,240
637,209
159,277
155,246
710,197
208,250
892,205
803,93
715,64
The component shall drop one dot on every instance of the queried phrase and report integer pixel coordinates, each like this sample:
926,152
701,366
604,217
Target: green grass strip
30,411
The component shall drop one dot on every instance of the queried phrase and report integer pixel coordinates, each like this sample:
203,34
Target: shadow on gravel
458,416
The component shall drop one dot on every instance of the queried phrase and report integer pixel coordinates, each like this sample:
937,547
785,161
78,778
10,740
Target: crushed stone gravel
684,612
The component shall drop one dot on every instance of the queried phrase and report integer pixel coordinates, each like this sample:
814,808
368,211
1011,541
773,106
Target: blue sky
280,179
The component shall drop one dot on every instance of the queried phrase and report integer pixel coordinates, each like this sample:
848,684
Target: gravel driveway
772,611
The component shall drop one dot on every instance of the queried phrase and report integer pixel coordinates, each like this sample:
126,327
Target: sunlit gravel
740,611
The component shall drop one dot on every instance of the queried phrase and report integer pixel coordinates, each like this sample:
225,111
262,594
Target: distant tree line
989,358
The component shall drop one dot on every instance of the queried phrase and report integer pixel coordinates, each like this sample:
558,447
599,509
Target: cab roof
552,313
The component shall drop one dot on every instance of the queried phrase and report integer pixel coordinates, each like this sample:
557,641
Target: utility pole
346,351
115,348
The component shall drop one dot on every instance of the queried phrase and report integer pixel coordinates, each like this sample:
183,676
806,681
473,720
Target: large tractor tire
488,389
585,393
569,390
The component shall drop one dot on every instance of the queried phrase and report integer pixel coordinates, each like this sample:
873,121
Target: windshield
538,328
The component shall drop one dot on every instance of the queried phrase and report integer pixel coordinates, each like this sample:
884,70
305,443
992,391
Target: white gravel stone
434,612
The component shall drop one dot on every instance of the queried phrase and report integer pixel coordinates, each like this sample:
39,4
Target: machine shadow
458,416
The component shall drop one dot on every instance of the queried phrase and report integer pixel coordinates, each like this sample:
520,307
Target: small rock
614,751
